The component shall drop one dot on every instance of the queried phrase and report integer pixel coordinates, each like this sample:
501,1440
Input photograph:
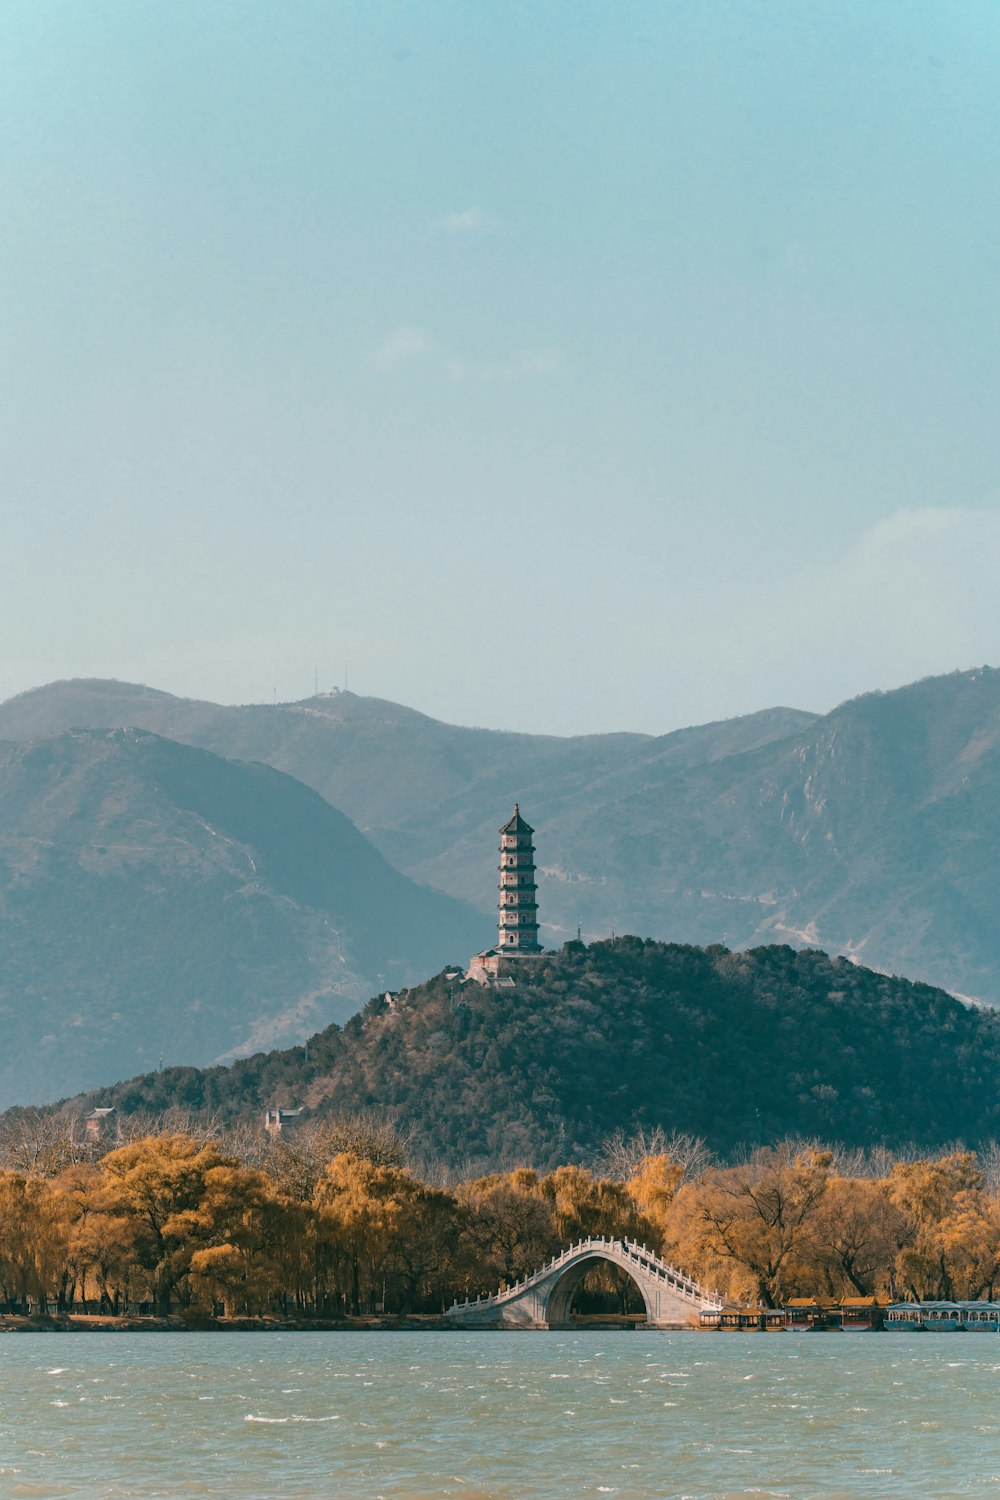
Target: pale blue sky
552,366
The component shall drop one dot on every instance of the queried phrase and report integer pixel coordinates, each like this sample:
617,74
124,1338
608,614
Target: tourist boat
981,1317
862,1314
937,1317
904,1317
810,1314
824,1314
942,1317
744,1319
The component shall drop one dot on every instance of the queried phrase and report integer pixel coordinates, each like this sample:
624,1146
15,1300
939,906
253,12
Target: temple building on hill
517,927
280,1121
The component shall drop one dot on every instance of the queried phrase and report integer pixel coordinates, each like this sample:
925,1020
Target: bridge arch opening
597,1287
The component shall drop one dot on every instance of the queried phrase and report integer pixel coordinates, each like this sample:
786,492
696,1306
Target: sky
563,367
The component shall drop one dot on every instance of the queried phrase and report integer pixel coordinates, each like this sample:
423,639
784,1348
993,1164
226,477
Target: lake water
411,1416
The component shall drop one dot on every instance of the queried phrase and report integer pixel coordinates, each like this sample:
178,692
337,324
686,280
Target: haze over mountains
872,830
157,900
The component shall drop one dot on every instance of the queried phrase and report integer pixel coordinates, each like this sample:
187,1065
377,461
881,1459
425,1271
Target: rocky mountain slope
736,1047
870,831
156,900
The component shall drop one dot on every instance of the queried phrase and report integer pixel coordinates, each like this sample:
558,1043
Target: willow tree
509,1228
953,1248
747,1226
33,1239
155,1187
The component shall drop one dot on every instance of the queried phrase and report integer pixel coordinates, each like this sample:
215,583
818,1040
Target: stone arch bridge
544,1299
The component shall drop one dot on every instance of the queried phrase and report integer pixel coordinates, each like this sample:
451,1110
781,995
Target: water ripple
485,1417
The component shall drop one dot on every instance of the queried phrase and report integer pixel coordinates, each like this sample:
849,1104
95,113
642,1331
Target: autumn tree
32,1239
510,1228
297,1160
585,1205
362,1211
423,1248
953,1248
653,1187
854,1240
156,1187
745,1225
248,1232
623,1152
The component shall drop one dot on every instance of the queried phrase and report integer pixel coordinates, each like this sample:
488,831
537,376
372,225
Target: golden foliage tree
952,1248
509,1229
32,1240
744,1226
653,1187
375,1222
854,1240
155,1187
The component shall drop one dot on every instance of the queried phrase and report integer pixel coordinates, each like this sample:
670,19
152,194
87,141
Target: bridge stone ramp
543,1300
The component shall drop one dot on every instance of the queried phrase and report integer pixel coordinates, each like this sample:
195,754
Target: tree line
334,1221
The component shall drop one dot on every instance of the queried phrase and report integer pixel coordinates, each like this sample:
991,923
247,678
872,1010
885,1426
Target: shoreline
181,1323
178,1323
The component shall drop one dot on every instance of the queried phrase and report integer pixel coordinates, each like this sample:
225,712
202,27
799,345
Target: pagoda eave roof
517,823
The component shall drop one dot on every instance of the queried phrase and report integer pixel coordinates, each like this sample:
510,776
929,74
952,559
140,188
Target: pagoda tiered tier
517,927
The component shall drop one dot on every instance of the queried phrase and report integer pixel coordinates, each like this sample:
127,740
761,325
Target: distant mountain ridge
157,900
871,830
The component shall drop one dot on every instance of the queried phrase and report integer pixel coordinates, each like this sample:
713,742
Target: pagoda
517,929
517,926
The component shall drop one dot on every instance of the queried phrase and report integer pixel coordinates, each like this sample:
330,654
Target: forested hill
737,1047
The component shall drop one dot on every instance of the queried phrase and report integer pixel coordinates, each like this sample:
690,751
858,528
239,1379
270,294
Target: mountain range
870,831
158,901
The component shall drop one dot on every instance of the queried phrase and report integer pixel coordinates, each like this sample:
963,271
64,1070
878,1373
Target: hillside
737,1047
156,900
870,831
